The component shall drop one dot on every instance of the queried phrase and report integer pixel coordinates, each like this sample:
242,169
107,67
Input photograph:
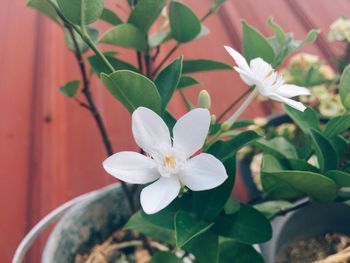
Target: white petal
160,194
246,77
294,104
203,172
289,91
149,130
191,130
260,68
131,167
238,58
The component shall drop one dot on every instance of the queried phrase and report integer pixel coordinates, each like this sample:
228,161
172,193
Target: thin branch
165,59
139,61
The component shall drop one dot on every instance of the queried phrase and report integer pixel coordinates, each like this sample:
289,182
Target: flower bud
225,126
204,99
213,119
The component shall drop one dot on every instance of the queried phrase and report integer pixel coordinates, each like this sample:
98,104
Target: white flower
340,30
268,82
168,161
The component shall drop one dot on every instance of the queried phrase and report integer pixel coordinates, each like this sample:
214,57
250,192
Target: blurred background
50,149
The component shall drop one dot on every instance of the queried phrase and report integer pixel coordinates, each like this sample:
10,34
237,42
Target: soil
327,248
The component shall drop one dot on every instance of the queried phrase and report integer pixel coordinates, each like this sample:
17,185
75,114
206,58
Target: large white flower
168,161
268,82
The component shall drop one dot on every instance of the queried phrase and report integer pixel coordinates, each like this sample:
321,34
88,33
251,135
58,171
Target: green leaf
170,120
184,24
297,164
70,89
248,226
129,88
137,222
99,66
209,204
340,145
344,88
77,10
83,47
110,17
125,35
168,79
163,256
43,7
232,206
342,179
198,65
232,251
326,154
337,125
271,208
224,150
317,186
187,81
256,45
157,38
305,120
145,13
187,227
280,35
204,247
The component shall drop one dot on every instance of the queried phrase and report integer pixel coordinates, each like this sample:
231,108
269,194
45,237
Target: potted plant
187,213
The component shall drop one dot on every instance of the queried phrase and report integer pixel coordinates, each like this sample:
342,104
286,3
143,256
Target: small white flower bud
204,99
213,119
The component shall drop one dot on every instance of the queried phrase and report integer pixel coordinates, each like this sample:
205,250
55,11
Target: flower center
268,74
169,161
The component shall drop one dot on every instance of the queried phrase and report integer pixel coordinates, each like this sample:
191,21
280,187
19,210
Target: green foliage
83,47
341,178
81,12
232,251
256,45
163,256
125,35
110,17
168,79
336,126
344,88
129,88
278,147
187,227
305,120
198,65
44,8
145,13
99,66
271,208
248,226
187,81
70,89
184,24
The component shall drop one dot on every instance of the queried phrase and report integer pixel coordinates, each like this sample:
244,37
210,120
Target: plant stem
234,103
139,61
166,58
301,204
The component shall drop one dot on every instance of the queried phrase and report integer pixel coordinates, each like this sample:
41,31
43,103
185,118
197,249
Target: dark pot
312,220
87,224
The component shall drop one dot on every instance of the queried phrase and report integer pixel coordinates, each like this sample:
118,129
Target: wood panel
50,148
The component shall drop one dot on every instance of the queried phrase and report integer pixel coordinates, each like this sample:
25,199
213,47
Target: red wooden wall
50,149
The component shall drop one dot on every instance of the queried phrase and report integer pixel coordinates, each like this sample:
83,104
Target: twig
139,61
165,59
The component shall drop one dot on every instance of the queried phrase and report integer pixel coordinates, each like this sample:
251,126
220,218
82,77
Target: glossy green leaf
164,256
168,79
158,38
340,145
232,206
255,44
232,251
129,88
248,226
145,13
44,8
271,208
280,35
184,24
187,227
204,247
83,47
326,154
198,65
99,66
341,178
125,35
209,204
224,150
344,88
187,81
70,89
110,17
317,186
298,164
305,120
137,222
337,125
170,120
77,10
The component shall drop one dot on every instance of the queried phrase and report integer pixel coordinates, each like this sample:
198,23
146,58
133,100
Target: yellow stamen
169,161
269,74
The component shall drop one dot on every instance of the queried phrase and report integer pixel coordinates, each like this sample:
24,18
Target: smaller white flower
168,162
268,82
